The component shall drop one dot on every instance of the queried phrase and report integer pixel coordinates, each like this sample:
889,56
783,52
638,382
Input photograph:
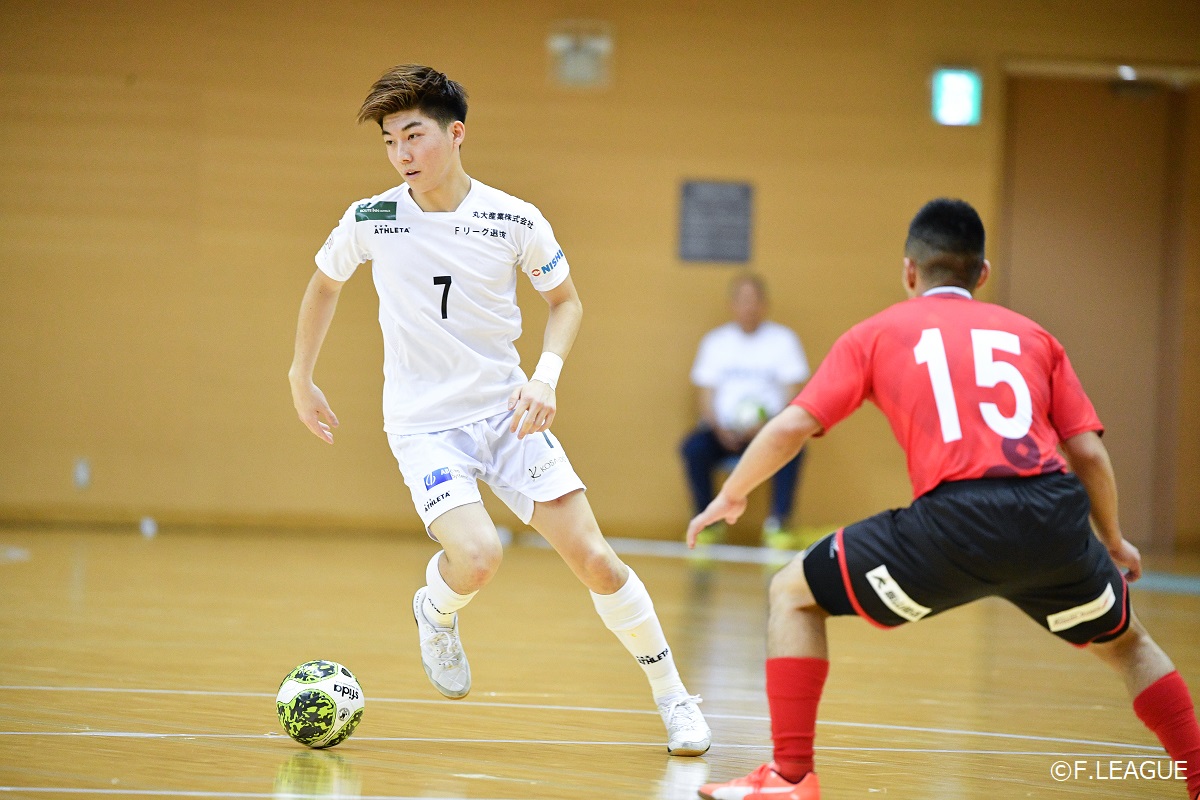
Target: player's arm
316,312
1088,457
534,403
775,445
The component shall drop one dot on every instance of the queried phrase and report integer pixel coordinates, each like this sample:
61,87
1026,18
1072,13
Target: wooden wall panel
1187,481
168,169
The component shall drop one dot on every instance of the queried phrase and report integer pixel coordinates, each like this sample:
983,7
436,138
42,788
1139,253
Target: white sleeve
792,366
342,252
707,369
541,257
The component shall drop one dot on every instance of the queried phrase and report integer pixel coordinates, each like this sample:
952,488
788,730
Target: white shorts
441,468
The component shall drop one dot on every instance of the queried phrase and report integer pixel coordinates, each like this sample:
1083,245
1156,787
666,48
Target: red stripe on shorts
858,609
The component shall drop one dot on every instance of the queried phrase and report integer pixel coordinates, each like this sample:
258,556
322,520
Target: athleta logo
390,229
345,691
654,659
537,472
553,263
431,503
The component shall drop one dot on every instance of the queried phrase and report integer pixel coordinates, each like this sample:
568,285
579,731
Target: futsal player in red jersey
982,400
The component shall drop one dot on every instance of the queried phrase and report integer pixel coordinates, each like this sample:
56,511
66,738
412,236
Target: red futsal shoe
764,784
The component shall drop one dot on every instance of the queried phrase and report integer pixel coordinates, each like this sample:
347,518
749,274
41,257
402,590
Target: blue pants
703,452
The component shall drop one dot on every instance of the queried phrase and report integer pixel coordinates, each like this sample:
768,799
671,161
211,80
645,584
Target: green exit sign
957,96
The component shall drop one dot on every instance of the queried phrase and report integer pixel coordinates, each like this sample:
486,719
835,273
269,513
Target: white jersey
447,283
745,367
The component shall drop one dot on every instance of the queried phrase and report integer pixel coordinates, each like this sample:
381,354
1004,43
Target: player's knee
479,560
602,571
1131,646
789,587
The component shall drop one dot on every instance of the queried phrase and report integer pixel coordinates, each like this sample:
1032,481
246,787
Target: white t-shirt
447,283
745,367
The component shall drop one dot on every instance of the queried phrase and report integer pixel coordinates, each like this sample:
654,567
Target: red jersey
971,389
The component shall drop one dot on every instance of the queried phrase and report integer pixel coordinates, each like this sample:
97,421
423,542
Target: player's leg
1086,602
471,554
797,666
625,607
1160,697
440,470
872,569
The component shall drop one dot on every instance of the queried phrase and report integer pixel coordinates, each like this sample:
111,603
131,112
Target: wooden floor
147,667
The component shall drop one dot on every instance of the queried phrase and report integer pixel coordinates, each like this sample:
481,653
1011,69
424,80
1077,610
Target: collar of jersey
406,192
949,290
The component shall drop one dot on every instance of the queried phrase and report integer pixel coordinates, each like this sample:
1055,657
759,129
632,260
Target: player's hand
313,410
1127,556
721,508
533,406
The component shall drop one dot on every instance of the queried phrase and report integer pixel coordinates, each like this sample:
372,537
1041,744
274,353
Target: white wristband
549,367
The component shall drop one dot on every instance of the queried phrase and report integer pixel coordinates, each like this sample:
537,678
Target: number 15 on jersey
931,351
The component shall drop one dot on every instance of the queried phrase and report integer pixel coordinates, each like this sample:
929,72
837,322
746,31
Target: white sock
441,602
629,613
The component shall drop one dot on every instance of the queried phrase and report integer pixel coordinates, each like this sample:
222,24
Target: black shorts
1027,540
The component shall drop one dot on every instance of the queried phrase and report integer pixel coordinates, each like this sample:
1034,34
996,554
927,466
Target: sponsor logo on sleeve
545,269
893,596
366,212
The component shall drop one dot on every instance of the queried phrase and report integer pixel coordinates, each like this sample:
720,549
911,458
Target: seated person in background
747,371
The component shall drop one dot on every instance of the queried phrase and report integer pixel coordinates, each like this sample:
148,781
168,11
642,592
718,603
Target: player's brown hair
945,240
412,86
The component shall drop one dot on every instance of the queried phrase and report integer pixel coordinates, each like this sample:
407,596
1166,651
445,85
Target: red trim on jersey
858,609
817,413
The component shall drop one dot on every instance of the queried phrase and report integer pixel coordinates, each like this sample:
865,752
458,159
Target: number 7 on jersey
444,281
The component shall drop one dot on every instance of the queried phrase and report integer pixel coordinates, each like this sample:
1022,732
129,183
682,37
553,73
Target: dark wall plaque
714,223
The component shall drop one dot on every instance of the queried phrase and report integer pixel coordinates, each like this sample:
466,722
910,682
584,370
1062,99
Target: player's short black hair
945,240
408,86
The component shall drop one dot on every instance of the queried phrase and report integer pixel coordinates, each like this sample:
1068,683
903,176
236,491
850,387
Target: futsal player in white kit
445,252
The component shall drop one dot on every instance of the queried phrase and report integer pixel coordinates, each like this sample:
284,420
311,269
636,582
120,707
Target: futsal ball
320,703
748,416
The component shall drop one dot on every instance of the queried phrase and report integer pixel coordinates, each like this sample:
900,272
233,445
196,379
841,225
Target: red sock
793,690
1165,707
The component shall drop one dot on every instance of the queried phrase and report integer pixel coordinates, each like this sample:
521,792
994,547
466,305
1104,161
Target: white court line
591,709
577,743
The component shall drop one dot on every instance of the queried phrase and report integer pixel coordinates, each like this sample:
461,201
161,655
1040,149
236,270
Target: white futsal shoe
687,732
441,653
